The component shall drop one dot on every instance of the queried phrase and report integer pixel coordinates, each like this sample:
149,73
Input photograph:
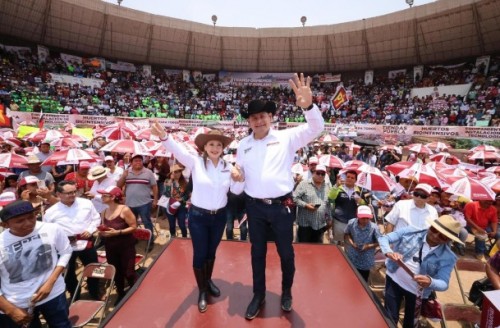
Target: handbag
477,289
431,308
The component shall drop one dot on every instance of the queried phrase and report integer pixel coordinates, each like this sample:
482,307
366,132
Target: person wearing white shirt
212,178
79,220
264,160
115,172
100,176
412,212
33,257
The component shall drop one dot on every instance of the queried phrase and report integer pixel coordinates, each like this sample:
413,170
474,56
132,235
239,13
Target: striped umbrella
71,156
126,146
10,160
472,189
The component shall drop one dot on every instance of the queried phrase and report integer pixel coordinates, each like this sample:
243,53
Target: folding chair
81,312
466,312
143,235
379,265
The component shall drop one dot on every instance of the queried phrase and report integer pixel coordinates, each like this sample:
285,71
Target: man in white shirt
100,176
265,158
32,258
115,172
79,220
412,212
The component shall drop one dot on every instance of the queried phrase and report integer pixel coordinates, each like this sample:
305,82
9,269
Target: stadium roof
434,33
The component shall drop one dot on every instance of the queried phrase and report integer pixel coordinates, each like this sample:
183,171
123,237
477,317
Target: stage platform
327,292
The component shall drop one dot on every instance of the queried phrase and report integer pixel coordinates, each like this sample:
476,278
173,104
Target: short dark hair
352,172
61,184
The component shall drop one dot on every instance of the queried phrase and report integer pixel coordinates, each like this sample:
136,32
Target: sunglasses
440,235
420,195
320,173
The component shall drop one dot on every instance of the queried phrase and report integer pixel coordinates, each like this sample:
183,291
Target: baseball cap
28,180
321,167
111,190
364,212
109,158
137,155
313,160
424,187
84,165
7,198
15,209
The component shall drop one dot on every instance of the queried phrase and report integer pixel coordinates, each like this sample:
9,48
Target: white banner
21,52
483,64
255,79
459,89
329,78
146,70
70,59
67,79
368,77
43,54
186,75
122,66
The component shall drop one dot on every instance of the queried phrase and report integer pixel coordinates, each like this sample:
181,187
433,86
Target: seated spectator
482,222
83,184
361,239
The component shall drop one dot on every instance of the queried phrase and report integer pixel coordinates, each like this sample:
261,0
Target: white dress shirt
210,184
97,200
405,213
266,162
75,219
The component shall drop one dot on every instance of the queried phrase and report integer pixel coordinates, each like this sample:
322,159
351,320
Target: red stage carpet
326,291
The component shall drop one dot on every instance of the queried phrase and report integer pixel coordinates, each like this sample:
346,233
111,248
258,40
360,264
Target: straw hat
176,167
97,172
448,226
202,138
33,159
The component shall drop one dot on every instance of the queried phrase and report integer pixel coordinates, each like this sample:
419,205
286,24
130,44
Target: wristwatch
308,108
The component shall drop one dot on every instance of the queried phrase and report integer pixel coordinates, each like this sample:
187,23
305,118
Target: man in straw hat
35,169
264,159
418,262
99,175
212,178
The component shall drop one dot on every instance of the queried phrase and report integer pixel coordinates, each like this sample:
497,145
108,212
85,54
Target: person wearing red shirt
83,184
482,221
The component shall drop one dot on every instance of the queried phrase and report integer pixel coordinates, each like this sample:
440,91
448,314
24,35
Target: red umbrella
152,145
372,179
10,160
493,169
484,148
438,165
398,167
328,138
114,132
453,174
420,149
472,189
423,174
126,146
71,156
493,183
484,155
438,145
65,143
331,161
145,134
442,157
46,135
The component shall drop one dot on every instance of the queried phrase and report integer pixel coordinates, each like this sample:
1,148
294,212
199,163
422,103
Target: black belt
270,201
202,210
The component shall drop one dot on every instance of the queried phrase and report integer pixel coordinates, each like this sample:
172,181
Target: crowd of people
26,85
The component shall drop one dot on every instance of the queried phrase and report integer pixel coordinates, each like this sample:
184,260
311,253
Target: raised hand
302,89
158,130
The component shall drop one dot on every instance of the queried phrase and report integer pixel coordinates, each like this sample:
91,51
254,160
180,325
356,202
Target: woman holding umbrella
212,178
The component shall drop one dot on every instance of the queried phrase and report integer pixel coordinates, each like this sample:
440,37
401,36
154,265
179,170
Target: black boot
253,308
286,300
201,280
212,288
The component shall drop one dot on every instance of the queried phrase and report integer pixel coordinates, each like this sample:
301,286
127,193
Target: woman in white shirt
212,178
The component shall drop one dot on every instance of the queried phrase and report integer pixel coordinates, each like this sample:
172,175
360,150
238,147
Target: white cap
364,212
424,187
109,158
321,167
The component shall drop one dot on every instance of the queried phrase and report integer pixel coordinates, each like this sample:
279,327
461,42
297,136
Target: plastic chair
466,312
144,235
81,312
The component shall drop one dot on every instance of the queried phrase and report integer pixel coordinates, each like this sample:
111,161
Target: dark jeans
364,273
276,216
206,233
309,235
180,217
122,257
86,256
394,295
231,215
144,211
55,313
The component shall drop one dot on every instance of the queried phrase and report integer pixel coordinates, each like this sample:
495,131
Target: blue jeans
233,213
394,295
276,216
206,233
180,217
144,211
480,245
55,312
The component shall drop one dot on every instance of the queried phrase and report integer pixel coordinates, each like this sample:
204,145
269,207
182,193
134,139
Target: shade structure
145,134
420,149
443,156
354,164
119,132
493,182
11,160
439,165
152,145
451,175
374,180
318,300
423,174
328,138
126,146
494,169
398,167
472,189
488,148
65,143
438,145
331,161
71,156
46,135
484,155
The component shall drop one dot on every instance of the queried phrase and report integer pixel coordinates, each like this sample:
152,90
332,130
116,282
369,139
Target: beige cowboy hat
97,172
33,159
202,138
176,167
447,226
